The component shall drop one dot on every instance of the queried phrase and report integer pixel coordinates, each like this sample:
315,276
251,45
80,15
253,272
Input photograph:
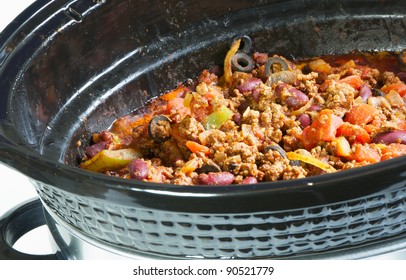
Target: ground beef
228,125
339,97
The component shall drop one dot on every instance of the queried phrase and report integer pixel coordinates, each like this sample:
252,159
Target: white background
16,188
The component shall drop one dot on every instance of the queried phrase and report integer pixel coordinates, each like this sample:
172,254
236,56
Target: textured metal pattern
250,235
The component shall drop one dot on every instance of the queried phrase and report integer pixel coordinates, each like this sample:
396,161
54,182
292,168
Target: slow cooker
70,67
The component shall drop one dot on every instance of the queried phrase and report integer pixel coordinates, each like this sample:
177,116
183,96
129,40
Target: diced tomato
328,123
200,113
361,114
310,137
365,71
353,133
178,92
348,64
393,150
212,93
366,153
398,87
324,86
124,125
320,66
373,126
401,124
176,105
341,147
354,81
323,128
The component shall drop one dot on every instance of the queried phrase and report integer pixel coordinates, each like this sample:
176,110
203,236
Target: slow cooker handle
17,222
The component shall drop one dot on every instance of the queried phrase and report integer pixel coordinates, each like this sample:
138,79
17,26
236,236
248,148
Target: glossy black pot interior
69,68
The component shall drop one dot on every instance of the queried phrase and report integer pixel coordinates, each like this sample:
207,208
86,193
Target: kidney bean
243,106
293,102
249,180
217,178
402,76
279,88
237,118
260,58
315,108
297,99
255,94
216,70
249,85
304,120
138,169
92,150
395,136
365,92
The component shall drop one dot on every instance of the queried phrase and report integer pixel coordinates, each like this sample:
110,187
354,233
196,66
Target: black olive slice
377,92
282,152
245,44
275,148
159,129
402,58
242,62
275,64
208,167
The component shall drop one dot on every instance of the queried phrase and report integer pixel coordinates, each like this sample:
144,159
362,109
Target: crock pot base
296,233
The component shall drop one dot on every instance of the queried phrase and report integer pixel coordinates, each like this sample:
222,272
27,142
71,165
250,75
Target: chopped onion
302,109
379,102
359,100
394,98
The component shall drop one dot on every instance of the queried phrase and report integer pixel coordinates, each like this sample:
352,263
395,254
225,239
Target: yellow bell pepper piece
311,160
228,72
110,160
